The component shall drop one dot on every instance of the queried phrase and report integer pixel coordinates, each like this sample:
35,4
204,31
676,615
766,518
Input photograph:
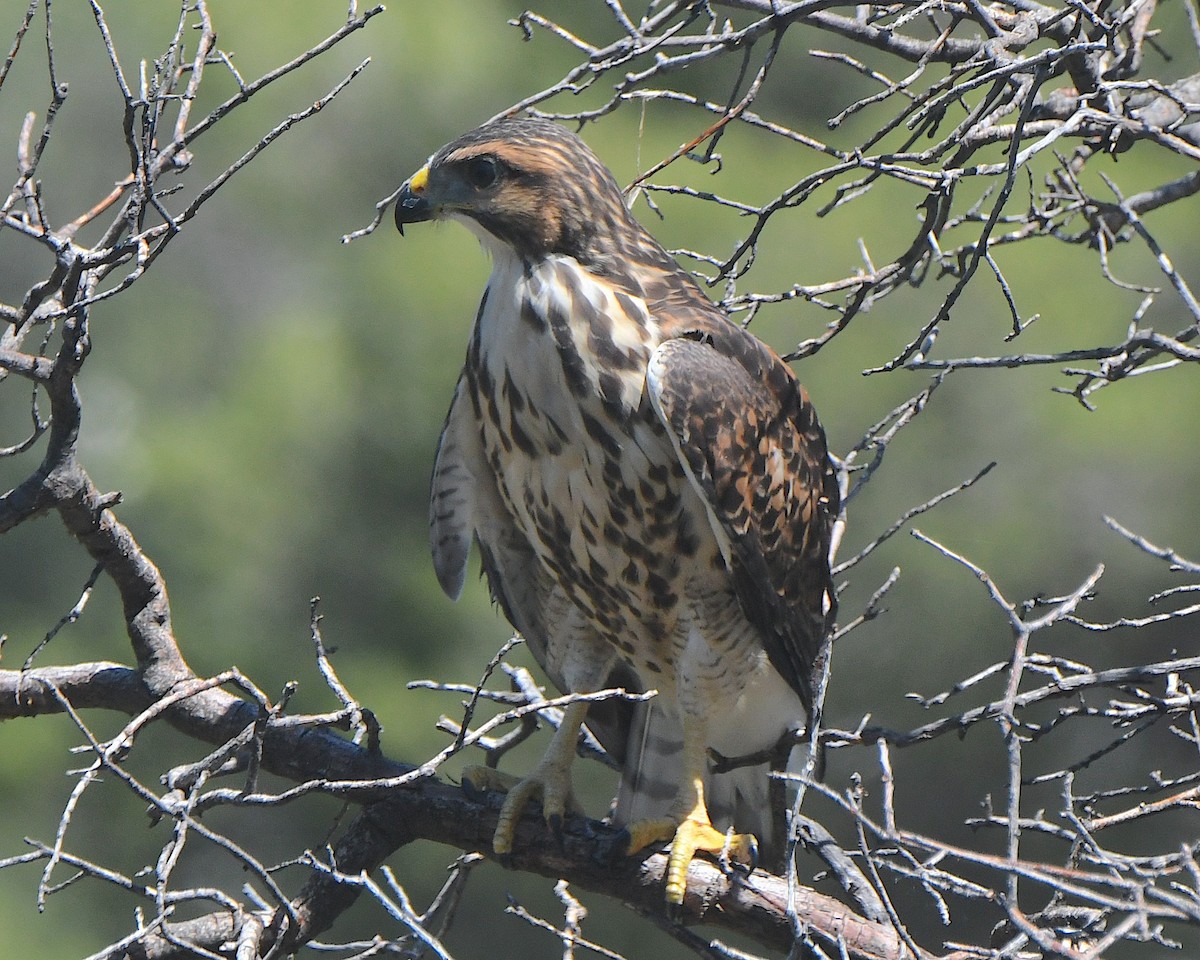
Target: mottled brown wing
753,447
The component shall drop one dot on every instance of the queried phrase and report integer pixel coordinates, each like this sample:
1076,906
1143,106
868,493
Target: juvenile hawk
648,485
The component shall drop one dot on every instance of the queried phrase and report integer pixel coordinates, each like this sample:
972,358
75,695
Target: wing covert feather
755,451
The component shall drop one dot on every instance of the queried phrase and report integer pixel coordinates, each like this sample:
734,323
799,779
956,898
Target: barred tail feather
653,766
746,799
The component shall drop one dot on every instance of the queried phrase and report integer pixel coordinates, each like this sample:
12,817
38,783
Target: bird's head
526,183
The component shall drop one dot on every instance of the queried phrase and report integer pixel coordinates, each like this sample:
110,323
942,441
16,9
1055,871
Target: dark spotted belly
605,505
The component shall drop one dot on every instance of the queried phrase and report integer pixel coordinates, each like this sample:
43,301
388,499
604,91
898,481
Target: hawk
649,489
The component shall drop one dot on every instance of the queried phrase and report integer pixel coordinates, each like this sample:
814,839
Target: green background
268,401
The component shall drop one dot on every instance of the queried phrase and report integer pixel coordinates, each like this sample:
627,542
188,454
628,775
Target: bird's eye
482,172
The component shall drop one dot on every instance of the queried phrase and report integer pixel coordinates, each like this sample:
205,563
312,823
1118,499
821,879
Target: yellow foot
695,834
546,783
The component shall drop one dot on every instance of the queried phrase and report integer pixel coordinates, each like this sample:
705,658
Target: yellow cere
419,180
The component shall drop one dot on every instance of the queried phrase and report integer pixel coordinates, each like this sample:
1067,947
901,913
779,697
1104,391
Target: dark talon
745,869
473,793
730,864
555,823
612,844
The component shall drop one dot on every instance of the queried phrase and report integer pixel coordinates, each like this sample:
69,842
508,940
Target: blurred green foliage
268,401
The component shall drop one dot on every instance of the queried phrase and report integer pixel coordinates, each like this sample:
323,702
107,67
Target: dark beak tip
411,208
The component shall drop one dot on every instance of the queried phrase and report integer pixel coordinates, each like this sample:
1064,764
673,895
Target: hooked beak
412,206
